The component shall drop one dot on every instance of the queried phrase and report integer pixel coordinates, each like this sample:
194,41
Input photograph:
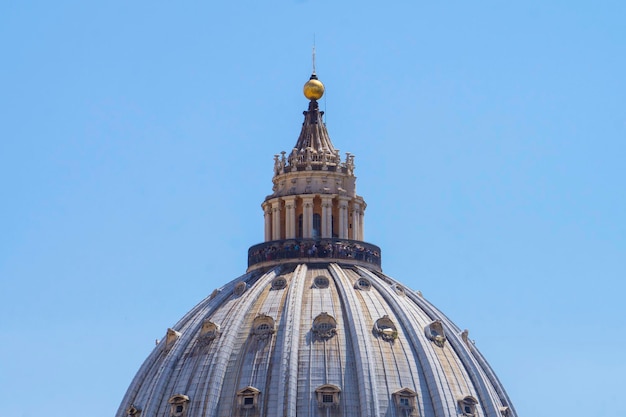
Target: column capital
307,201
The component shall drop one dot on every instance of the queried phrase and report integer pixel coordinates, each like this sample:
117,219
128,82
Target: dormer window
248,398
386,329
263,327
434,331
328,396
324,326
399,290
240,288
209,329
178,405
208,332
468,406
171,337
133,411
405,401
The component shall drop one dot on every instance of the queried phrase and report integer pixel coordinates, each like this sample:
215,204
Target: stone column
307,217
343,217
327,217
356,220
267,213
276,219
361,231
290,217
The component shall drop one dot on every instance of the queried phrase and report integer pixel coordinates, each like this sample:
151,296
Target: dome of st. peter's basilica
314,328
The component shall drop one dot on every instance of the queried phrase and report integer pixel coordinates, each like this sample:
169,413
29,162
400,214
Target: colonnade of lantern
311,216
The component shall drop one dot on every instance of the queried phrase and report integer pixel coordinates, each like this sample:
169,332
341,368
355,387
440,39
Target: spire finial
313,54
313,89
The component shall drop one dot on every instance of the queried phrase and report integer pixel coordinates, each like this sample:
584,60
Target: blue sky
136,145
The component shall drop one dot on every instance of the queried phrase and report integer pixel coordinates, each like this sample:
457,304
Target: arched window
317,226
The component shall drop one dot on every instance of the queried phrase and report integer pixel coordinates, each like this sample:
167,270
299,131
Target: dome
314,327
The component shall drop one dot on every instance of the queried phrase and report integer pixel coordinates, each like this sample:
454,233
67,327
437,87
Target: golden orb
313,89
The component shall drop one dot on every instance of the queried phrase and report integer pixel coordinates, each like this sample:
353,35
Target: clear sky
136,145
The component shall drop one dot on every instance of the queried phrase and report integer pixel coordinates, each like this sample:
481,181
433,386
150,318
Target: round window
363,284
279,283
321,282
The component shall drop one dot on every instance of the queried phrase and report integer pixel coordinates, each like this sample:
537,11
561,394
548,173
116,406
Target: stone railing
310,159
314,250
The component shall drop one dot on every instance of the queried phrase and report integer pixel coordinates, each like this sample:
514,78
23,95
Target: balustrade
307,250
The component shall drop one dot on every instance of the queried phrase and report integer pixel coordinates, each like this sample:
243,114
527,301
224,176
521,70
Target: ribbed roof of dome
294,329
